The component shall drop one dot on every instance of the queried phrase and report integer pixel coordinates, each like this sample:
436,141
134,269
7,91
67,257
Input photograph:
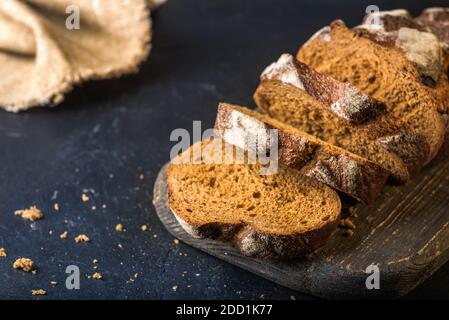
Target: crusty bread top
437,20
282,215
340,169
345,100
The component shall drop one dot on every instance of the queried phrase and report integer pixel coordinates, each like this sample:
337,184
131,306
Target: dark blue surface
108,133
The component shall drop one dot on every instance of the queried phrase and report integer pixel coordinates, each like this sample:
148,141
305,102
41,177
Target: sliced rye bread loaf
383,72
312,157
288,92
279,216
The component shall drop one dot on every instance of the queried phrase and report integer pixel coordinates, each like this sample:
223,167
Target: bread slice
277,216
374,137
383,72
315,158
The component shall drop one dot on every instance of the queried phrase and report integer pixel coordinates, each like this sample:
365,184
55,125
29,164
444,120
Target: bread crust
358,177
252,241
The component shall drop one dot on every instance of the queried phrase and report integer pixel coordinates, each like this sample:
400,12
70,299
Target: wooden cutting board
405,233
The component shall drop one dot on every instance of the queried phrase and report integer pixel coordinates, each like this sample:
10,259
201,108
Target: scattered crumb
56,206
141,177
197,274
120,246
119,227
347,223
369,219
50,232
54,283
154,236
64,235
82,238
34,271
94,208
136,275
189,286
39,292
32,213
85,197
174,288
103,206
95,261
144,227
24,264
3,252
176,241
97,276
348,232
292,298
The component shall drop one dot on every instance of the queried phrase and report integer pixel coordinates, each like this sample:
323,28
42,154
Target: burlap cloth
41,59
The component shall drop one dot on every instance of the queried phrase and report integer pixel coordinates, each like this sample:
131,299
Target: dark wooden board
405,233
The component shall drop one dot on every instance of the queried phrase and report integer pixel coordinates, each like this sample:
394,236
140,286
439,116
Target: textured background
108,133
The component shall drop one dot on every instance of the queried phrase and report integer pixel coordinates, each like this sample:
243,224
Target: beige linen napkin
41,59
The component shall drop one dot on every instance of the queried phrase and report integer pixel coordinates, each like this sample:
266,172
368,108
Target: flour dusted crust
343,99
317,159
383,72
41,60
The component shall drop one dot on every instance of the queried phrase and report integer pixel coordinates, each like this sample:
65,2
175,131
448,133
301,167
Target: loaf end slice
342,170
278,216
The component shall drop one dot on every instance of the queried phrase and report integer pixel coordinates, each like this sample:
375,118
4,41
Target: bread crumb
64,235
119,227
136,275
97,276
103,206
176,241
292,298
144,227
24,264
95,261
50,232
141,177
94,208
85,197
3,252
154,236
120,246
174,288
56,206
54,283
39,292
32,213
348,232
82,238
369,219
